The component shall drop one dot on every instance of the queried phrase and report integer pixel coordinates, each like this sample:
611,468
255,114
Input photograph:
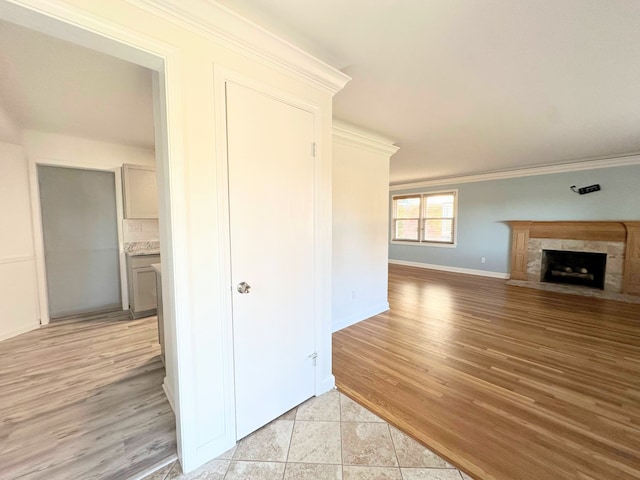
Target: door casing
324,379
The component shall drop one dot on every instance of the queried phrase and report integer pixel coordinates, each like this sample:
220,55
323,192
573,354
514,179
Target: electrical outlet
483,260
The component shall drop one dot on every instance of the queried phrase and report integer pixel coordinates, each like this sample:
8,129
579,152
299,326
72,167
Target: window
424,218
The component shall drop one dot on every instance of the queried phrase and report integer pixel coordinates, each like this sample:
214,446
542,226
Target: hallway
82,398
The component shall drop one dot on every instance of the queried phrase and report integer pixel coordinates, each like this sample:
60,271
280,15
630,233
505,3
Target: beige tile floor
326,438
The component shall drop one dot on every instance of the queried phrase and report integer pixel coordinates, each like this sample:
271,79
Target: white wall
139,230
193,169
9,130
360,224
18,305
57,149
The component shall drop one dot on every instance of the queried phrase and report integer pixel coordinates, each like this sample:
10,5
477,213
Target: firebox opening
574,268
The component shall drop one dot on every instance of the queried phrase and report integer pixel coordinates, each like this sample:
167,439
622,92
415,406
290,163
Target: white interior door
272,230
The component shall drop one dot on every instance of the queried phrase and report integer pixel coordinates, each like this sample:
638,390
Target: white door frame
38,234
83,28
324,380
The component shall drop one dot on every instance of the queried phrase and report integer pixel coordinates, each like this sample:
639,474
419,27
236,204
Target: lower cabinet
158,272
142,285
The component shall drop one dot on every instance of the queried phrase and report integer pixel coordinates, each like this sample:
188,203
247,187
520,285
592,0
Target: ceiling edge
631,159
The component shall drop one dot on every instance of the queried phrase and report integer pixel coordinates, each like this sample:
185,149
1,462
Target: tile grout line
235,452
293,428
231,460
395,450
173,465
340,416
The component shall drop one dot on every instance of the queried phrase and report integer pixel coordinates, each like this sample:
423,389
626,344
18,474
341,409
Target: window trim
419,242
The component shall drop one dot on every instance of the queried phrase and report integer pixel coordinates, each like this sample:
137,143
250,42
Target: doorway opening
59,30
80,236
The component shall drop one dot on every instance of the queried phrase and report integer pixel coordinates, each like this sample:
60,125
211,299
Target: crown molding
633,159
236,32
348,134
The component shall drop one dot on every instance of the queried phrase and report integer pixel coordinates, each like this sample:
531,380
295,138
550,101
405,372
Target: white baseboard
18,331
169,394
445,268
358,317
327,384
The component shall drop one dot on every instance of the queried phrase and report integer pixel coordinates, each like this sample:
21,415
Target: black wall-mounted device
583,190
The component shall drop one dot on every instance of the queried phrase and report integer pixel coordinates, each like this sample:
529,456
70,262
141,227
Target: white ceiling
464,86
469,86
51,85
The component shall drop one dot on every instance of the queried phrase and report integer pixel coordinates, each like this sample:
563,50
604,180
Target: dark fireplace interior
574,268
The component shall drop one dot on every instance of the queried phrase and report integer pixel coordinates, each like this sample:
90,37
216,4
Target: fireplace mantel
624,231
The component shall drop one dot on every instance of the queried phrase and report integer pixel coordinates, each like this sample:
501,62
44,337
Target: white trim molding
16,259
348,134
237,33
169,393
621,161
19,331
358,317
446,268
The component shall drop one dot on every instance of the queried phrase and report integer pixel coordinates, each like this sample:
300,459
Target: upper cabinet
140,191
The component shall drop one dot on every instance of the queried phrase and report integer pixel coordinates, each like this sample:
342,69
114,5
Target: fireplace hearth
574,268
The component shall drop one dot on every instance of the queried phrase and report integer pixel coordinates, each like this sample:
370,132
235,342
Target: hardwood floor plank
505,382
82,398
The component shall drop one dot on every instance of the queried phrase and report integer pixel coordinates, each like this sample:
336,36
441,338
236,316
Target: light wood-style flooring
505,382
83,399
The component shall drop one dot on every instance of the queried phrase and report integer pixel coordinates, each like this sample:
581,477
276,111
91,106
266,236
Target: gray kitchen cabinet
158,272
142,285
140,191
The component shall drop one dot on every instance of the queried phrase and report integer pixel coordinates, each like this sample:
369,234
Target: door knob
244,287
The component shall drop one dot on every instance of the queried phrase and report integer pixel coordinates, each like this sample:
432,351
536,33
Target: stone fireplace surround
619,240
613,250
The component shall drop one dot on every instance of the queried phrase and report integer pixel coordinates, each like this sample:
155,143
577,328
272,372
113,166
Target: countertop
139,253
135,249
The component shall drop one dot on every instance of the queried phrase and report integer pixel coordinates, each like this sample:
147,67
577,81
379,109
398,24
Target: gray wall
80,239
484,207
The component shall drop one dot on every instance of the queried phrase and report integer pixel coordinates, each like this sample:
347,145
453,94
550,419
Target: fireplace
619,240
574,268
